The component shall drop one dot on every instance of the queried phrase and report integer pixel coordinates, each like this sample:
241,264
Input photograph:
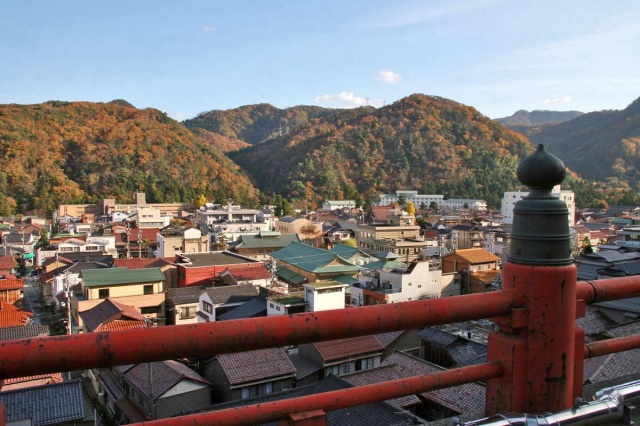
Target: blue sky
187,57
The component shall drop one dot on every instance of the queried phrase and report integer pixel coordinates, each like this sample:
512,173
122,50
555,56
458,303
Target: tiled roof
388,338
631,305
594,322
303,366
312,259
265,241
620,364
117,276
369,414
52,404
383,374
51,377
486,276
468,398
165,375
466,352
14,318
628,268
343,348
625,329
4,306
11,284
231,294
110,315
252,366
23,331
248,272
136,263
476,255
6,263
255,307
437,336
182,295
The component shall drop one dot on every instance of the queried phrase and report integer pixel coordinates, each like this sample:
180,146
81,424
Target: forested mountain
601,146
524,118
430,144
255,123
62,152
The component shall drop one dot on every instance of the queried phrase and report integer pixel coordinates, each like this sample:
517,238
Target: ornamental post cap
541,170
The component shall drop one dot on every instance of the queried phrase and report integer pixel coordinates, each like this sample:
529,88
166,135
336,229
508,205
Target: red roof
382,213
52,378
4,306
248,272
344,348
111,315
6,263
136,263
13,318
11,284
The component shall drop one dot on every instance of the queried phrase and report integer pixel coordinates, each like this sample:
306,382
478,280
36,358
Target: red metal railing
76,352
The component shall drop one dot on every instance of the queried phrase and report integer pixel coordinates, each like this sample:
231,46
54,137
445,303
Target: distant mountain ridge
603,146
537,118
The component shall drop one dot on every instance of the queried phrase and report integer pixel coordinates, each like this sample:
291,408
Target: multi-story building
140,288
510,199
228,223
108,207
172,240
412,196
465,203
400,235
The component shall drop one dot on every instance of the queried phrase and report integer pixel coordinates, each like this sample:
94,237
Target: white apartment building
413,196
464,203
510,199
230,221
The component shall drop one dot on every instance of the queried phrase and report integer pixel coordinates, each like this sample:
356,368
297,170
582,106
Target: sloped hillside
426,143
256,123
61,152
602,146
525,118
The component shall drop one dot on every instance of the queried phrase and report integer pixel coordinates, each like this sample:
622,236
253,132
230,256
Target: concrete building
413,196
510,199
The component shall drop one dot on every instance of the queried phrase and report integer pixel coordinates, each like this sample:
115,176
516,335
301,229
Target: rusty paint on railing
52,354
336,400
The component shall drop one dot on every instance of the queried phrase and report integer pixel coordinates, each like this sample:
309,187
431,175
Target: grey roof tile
46,405
363,415
231,294
246,367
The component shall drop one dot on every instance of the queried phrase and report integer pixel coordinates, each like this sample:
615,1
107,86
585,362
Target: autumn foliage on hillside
60,152
430,144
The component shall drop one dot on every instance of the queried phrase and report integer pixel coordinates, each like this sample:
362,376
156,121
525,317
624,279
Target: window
148,289
103,293
91,248
146,310
207,307
188,312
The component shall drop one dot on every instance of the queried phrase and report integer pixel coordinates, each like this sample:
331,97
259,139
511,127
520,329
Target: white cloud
562,100
178,116
389,77
343,100
208,29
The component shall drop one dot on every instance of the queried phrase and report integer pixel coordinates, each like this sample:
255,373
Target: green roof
385,264
346,279
313,259
267,240
117,276
348,252
290,276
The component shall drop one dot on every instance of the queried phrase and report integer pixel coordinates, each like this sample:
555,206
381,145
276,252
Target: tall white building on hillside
510,199
413,196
